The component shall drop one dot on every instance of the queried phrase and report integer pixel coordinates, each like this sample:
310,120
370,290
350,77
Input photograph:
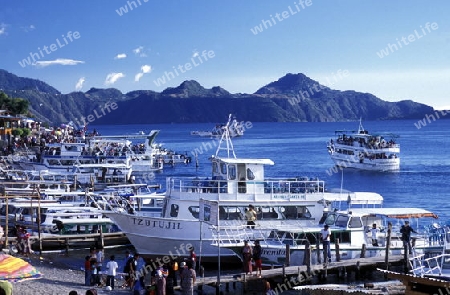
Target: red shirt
87,265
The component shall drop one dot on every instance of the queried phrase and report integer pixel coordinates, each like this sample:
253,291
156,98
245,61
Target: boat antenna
227,139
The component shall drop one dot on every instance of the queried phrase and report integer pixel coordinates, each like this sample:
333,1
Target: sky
396,50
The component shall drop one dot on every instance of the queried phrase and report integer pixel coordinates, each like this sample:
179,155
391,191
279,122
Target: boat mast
227,139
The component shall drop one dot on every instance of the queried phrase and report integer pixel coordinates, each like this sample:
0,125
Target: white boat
352,228
361,150
233,184
98,150
100,176
141,198
234,128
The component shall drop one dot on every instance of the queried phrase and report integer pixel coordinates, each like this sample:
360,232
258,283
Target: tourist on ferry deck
250,215
374,230
406,231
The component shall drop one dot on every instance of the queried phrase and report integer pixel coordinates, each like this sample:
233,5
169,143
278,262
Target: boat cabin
239,175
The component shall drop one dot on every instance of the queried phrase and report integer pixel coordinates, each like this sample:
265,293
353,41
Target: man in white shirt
111,267
100,257
325,235
374,230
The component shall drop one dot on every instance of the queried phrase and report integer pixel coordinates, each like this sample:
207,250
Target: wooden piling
288,254
338,254
307,258
319,260
388,246
358,271
363,251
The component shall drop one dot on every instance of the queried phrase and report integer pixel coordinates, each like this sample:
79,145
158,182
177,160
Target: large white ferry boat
361,150
234,184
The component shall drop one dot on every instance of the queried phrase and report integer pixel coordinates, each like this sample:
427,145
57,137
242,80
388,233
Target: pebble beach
57,278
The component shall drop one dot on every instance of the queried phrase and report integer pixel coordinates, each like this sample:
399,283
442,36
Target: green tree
14,105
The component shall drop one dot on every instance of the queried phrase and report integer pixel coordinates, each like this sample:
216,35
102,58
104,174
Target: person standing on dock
325,235
406,231
193,258
188,277
247,253
257,258
250,215
111,267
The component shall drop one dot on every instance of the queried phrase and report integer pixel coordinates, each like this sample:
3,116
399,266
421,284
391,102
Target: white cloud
58,61
195,53
140,51
113,77
138,76
79,84
28,28
120,56
145,69
2,29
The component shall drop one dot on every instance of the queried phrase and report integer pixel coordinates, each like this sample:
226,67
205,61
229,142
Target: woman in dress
247,253
188,279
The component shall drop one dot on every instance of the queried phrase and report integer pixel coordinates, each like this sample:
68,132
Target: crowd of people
139,276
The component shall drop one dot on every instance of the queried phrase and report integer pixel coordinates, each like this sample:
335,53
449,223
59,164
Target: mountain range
292,98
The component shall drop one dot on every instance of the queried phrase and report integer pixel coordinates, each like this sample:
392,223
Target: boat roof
246,161
399,213
355,198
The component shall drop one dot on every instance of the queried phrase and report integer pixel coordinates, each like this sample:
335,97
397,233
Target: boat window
230,213
195,211
331,218
174,208
342,221
355,222
296,212
215,168
231,172
343,236
223,168
250,175
267,213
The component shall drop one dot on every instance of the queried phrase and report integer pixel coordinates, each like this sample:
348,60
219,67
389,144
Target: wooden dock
291,276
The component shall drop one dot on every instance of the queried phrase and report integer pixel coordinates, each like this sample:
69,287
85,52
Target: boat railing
271,187
235,234
421,265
